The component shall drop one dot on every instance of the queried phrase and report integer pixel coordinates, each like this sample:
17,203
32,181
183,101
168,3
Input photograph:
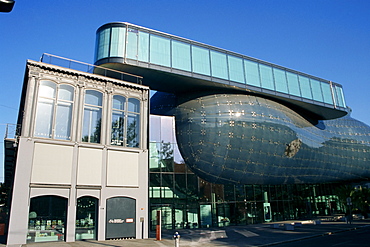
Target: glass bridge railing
147,46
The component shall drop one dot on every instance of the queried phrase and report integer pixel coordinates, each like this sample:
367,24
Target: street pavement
267,234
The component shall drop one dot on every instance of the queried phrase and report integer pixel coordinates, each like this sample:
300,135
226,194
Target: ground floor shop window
47,217
86,217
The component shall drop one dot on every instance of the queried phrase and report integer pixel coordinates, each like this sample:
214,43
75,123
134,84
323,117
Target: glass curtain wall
148,46
187,201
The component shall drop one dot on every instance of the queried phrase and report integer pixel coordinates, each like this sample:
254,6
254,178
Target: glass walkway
174,64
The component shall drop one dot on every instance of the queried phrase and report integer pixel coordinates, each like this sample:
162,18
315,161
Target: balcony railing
12,131
90,68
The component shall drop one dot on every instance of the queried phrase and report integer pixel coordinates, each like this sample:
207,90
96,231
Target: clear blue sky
326,38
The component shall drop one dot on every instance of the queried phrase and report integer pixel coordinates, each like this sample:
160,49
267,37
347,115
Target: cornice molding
82,79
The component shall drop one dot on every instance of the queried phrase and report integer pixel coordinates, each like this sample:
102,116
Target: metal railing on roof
89,68
12,131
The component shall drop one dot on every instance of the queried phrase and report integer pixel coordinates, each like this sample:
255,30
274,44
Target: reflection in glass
281,84
143,50
117,46
47,217
133,105
49,106
166,158
326,90
160,50
154,164
304,82
102,43
117,128
267,79
86,218
219,65
190,202
132,37
119,102
91,128
339,96
252,73
293,84
45,109
125,122
44,118
167,216
93,97
133,130
181,56
47,89
169,51
133,123
316,90
118,117
63,121
65,92
91,125
236,71
63,118
200,60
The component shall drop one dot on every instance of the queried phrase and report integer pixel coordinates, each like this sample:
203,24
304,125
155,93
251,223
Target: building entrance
120,221
86,218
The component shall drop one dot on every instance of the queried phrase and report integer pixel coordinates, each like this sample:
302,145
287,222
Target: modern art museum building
225,140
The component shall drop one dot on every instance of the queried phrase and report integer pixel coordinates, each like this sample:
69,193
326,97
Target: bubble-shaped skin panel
228,138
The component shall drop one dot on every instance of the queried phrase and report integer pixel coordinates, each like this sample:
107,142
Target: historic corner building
231,140
81,157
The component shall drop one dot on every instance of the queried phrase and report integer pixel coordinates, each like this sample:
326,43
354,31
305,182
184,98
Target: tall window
125,122
118,120
54,111
133,123
92,116
86,218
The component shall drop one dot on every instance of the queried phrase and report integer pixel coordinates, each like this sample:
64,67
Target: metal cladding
228,138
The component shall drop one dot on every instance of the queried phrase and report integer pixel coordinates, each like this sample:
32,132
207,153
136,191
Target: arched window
86,218
54,111
125,122
92,116
47,219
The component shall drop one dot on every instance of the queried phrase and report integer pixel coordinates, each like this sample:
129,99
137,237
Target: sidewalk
246,236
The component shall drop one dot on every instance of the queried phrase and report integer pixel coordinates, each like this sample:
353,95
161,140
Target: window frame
122,140
91,108
56,101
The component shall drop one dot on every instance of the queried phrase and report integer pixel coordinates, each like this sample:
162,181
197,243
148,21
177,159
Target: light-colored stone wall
72,169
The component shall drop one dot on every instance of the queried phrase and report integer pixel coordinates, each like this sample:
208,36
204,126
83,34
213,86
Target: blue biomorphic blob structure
234,138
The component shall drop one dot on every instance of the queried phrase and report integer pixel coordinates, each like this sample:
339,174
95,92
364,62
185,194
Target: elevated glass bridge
177,65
